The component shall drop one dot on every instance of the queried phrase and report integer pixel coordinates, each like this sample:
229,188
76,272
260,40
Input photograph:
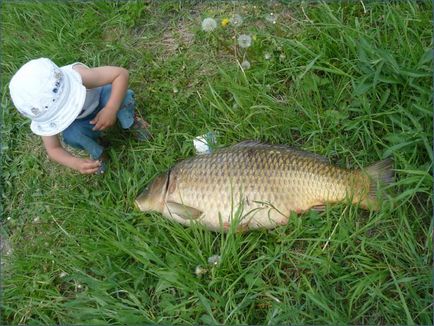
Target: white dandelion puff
245,65
244,41
271,18
214,260
267,56
236,20
209,24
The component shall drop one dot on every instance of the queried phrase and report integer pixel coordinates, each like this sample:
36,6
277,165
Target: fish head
153,196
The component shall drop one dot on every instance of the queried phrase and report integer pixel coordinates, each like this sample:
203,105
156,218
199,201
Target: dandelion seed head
271,18
244,41
245,65
236,20
209,24
267,56
214,260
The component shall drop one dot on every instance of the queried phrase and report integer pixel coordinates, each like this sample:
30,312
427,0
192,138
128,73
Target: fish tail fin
380,173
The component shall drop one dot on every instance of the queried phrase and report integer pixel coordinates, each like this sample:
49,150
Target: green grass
355,85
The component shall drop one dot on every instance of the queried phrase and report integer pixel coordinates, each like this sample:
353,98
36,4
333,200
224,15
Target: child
77,101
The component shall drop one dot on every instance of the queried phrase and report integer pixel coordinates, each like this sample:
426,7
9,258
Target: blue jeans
80,134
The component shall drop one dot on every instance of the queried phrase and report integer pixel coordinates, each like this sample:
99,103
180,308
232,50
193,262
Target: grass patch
348,81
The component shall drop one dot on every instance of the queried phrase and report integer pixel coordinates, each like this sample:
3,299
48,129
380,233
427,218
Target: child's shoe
103,167
140,129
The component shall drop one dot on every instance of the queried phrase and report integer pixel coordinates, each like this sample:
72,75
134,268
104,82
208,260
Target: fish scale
258,184
254,171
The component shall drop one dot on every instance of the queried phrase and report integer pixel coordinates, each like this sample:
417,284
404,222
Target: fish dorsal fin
314,156
184,211
303,153
248,143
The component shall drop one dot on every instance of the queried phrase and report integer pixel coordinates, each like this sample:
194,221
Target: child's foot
140,129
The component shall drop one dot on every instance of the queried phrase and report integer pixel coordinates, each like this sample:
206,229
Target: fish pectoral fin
184,211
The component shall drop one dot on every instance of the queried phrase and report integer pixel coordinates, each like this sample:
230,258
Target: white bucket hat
51,96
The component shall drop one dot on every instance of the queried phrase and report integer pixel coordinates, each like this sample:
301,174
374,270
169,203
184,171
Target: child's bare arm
95,77
57,153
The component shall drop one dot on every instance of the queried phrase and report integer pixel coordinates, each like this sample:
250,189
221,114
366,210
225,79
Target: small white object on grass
244,41
245,65
271,18
214,260
236,20
209,24
202,143
199,270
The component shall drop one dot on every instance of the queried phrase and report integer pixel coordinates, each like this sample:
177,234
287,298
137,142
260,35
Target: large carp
259,185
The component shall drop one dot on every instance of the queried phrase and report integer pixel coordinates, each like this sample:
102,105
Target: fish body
257,184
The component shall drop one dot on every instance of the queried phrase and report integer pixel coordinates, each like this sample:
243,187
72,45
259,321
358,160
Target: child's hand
87,166
104,119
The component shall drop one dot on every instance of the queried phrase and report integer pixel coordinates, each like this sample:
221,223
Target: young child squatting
78,102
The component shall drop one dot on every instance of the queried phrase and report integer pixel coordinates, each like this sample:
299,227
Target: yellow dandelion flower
225,22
